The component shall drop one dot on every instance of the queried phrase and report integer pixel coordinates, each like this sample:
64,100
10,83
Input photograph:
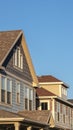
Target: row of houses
27,101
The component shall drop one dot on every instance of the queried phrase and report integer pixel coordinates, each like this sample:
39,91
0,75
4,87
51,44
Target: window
8,91
6,87
30,99
3,89
26,97
18,92
44,106
18,58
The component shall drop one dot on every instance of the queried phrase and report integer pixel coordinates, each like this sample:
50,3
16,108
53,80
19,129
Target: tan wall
52,88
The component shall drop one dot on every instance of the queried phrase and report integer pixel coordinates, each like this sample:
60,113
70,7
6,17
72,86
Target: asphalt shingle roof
40,116
7,38
47,78
43,92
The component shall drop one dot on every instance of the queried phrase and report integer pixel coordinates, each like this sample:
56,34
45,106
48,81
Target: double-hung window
6,89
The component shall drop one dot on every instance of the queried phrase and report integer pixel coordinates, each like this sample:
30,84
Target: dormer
53,85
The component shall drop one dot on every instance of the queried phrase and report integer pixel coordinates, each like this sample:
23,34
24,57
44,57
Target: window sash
2,95
26,104
9,97
44,106
3,83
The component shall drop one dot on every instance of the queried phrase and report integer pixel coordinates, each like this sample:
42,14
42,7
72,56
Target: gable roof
70,100
7,41
43,92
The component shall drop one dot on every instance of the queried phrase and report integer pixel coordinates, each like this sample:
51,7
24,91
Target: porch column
29,127
41,129
17,125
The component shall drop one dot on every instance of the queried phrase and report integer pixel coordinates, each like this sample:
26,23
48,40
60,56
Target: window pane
26,103
3,83
3,95
8,85
9,97
44,106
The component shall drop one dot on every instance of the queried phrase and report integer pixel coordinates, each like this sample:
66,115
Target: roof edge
11,47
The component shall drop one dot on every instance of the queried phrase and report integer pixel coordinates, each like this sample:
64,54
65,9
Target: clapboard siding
9,66
17,107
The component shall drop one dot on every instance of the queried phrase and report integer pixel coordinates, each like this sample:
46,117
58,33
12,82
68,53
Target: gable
7,57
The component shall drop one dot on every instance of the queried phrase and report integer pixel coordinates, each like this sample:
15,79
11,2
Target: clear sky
48,29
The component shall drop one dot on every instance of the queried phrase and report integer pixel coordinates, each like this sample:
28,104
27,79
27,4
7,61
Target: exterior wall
23,76
52,88
14,107
9,64
63,116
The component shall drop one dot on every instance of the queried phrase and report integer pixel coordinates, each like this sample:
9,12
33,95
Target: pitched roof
43,92
48,78
37,116
7,40
7,114
70,100
41,116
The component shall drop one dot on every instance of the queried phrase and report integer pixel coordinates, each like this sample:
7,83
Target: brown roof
70,100
48,78
7,114
41,116
7,38
43,92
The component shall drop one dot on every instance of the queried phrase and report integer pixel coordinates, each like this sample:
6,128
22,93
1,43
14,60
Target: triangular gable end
51,121
29,61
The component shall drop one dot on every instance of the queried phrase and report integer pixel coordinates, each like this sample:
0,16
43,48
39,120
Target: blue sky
48,29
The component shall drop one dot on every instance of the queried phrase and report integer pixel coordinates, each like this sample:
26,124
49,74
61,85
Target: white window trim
6,90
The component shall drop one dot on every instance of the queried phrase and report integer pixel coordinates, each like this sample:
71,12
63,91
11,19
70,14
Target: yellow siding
54,88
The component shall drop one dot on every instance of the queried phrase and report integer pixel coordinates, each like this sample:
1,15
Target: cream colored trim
29,61
11,119
44,97
11,48
67,86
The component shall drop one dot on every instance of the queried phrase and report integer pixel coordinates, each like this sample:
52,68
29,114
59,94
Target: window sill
17,68
5,104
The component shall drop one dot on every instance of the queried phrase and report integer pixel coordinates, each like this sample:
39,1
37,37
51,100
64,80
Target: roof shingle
43,92
7,38
47,78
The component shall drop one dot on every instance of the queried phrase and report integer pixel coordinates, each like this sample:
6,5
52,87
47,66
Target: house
52,95
17,82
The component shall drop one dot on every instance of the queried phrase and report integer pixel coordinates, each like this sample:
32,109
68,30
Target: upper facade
54,85
17,75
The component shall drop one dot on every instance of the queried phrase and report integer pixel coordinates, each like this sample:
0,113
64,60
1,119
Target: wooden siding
8,63
14,107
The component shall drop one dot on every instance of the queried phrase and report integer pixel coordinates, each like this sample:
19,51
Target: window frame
6,100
